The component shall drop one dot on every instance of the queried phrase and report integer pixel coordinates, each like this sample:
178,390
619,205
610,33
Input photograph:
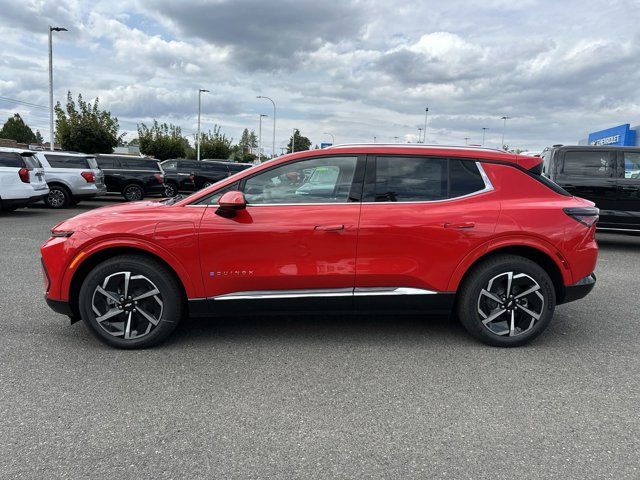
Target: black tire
133,192
170,189
501,332
207,184
151,274
58,197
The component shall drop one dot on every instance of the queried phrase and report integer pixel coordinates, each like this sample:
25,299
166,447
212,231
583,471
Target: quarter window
67,161
587,164
316,180
632,165
465,178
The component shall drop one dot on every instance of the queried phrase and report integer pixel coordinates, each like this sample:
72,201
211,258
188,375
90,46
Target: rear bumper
23,202
580,289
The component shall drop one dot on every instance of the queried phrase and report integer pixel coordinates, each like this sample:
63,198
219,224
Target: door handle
329,228
460,226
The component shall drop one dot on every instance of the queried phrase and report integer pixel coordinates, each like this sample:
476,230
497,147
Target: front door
296,239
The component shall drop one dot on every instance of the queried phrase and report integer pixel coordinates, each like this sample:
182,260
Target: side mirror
230,202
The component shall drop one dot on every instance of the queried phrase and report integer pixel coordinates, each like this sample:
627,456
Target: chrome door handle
460,226
329,228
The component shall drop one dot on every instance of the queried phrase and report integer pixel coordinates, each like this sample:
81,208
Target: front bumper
580,289
62,307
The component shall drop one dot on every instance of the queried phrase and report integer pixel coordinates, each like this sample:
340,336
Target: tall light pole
200,92
466,140
293,141
374,139
333,138
504,127
273,145
419,134
426,117
51,131
260,138
484,130
396,139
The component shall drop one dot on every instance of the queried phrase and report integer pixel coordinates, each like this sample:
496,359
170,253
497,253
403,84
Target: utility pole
484,130
466,140
419,134
426,118
51,128
504,127
260,138
273,145
200,92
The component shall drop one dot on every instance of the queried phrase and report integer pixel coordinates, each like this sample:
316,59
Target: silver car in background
71,177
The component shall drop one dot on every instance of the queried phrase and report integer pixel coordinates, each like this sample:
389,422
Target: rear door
628,201
419,218
112,175
591,174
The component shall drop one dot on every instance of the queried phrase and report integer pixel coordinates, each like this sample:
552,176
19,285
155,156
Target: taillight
159,177
23,173
88,176
587,216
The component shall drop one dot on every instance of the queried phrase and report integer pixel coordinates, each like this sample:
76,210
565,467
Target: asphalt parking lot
317,397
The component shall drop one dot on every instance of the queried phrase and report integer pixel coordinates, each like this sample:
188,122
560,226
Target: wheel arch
133,181
555,267
99,255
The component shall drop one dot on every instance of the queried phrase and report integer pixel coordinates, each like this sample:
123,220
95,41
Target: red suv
370,228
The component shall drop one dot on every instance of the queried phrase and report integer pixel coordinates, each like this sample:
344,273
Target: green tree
301,142
39,139
161,141
85,128
15,129
215,144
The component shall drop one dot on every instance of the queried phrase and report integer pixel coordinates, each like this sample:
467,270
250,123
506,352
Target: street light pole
484,130
504,127
466,140
333,138
374,139
51,130
419,134
260,138
426,117
273,145
200,92
293,141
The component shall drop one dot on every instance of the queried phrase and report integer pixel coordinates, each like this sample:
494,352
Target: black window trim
370,181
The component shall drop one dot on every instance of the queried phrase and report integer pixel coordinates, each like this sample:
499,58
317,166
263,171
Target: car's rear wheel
506,301
131,301
170,189
58,197
207,184
133,193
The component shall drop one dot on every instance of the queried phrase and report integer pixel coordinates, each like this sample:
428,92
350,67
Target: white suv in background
21,179
71,177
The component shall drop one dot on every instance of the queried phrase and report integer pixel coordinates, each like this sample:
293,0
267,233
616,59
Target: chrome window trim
323,292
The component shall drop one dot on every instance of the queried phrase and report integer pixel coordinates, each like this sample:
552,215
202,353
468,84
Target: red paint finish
427,245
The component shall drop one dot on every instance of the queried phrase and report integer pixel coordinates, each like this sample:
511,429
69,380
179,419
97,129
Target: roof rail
413,145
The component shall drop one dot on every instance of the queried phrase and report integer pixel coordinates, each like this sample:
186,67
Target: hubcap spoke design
127,305
515,294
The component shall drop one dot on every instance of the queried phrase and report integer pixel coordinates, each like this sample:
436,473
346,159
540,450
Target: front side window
316,180
410,179
105,162
170,166
587,164
632,165
140,164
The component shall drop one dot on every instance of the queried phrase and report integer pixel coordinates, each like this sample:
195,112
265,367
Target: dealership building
622,136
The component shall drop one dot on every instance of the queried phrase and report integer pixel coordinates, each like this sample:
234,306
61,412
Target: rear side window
587,164
105,162
170,166
139,164
8,159
465,178
67,161
410,179
632,165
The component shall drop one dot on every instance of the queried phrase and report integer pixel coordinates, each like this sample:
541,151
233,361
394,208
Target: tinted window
186,166
139,164
67,161
213,199
465,178
410,179
170,166
588,164
105,162
546,162
32,162
8,159
316,180
631,165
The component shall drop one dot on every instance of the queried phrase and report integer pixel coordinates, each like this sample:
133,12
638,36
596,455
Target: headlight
61,233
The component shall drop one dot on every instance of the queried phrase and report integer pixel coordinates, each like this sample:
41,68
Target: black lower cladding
580,289
371,304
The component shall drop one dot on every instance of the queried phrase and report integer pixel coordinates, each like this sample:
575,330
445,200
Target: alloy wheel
56,198
127,305
207,184
133,193
510,304
170,190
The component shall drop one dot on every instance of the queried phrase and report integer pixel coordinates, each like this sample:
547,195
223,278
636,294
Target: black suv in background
133,177
192,175
608,176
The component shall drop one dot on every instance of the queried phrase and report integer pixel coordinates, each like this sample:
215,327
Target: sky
356,69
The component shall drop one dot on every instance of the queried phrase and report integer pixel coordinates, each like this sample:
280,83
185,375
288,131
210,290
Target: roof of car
66,153
21,151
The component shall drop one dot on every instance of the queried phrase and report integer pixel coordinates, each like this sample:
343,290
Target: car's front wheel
170,189
133,193
506,301
131,301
